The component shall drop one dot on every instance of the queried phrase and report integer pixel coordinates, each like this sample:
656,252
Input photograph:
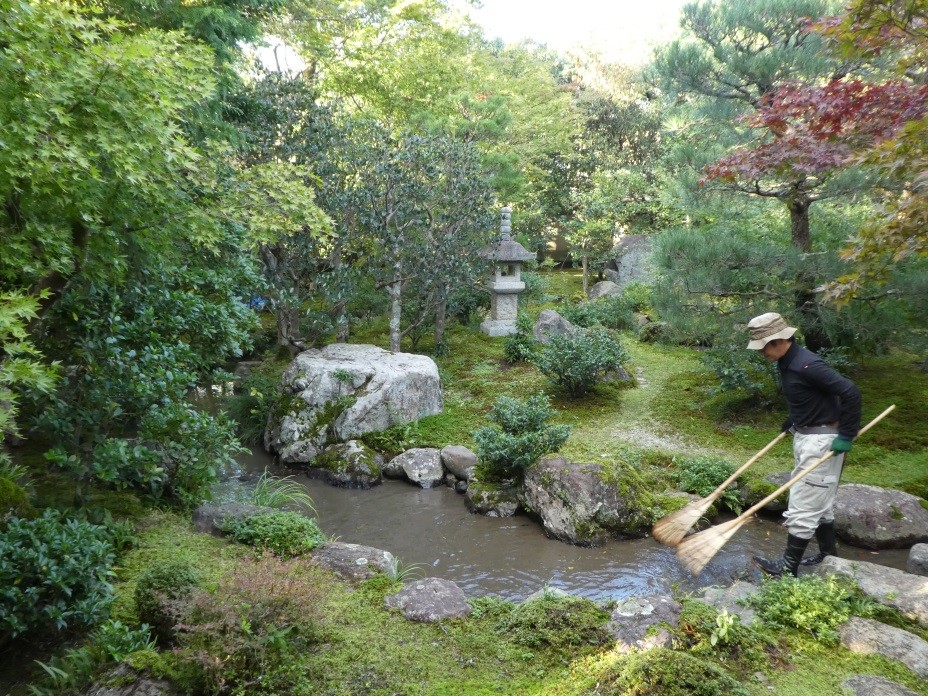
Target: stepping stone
869,637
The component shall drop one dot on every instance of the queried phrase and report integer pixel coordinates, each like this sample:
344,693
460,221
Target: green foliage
253,634
655,332
666,672
196,448
279,492
811,604
123,464
14,500
117,641
518,437
160,592
702,474
562,623
251,404
520,346
54,573
612,312
743,371
283,532
578,360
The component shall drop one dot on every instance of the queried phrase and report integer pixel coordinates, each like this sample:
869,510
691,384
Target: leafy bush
637,296
117,640
284,533
612,312
160,592
196,448
741,370
810,603
702,474
518,437
124,464
556,621
54,572
520,346
667,672
655,332
253,635
536,285
578,360
467,301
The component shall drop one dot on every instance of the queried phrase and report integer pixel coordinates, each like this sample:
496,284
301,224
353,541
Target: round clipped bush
160,594
54,572
284,533
578,360
669,673
557,621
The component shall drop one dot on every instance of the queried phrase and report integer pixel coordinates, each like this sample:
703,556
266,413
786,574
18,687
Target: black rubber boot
795,547
825,536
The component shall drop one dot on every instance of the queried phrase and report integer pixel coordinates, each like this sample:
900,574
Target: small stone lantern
506,284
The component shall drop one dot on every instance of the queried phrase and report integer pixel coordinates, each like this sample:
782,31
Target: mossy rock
14,500
492,499
668,673
161,593
348,465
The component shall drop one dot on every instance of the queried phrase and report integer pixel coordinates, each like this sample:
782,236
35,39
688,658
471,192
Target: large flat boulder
903,591
870,637
583,504
342,391
879,518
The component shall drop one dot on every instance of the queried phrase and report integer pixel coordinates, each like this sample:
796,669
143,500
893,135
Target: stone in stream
347,465
879,518
420,465
459,460
633,618
917,563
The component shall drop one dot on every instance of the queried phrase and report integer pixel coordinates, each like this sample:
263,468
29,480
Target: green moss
14,500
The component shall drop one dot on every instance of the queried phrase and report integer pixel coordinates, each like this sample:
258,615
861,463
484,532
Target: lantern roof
506,248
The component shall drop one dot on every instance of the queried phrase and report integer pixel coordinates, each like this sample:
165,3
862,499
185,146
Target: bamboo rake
671,529
697,550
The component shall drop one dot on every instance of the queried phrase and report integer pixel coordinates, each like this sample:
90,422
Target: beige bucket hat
767,327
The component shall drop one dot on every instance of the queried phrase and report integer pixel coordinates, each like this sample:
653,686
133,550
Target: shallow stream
432,530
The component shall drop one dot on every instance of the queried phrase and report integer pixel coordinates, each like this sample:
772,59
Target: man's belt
823,429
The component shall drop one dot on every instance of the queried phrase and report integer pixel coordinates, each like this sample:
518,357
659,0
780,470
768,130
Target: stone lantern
507,255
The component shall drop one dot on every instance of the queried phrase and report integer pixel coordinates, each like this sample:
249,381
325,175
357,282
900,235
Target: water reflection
512,558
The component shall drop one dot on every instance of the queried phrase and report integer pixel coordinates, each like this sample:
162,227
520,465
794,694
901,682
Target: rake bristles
697,550
673,528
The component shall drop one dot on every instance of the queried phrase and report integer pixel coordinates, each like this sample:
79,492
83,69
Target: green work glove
841,444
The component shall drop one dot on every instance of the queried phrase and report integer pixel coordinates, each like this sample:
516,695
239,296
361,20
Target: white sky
623,30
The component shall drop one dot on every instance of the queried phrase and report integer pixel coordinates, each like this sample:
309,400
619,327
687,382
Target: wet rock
344,390
775,480
125,681
879,518
421,465
903,591
451,480
459,460
348,465
213,519
354,561
491,500
867,637
430,600
578,506
549,323
917,563
731,599
461,487
633,618
865,685
604,288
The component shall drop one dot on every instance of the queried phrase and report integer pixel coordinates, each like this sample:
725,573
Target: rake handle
711,498
789,484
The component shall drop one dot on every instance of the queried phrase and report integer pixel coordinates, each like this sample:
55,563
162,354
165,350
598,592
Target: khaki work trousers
811,501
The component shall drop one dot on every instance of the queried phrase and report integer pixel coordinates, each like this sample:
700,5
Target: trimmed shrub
520,346
557,621
518,437
702,474
744,371
284,533
655,332
580,359
54,572
160,593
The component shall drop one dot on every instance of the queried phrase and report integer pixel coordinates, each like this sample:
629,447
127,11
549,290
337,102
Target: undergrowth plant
702,474
578,360
280,492
284,533
811,604
559,622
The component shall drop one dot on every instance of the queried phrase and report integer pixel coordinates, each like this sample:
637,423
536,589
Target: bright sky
623,30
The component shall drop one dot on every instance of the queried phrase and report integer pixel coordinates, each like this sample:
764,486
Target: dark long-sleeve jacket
817,394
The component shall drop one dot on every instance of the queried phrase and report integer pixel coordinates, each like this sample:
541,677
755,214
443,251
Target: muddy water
512,558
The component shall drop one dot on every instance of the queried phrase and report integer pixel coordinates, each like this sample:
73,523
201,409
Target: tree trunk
799,221
585,262
288,328
396,308
805,300
341,322
440,310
